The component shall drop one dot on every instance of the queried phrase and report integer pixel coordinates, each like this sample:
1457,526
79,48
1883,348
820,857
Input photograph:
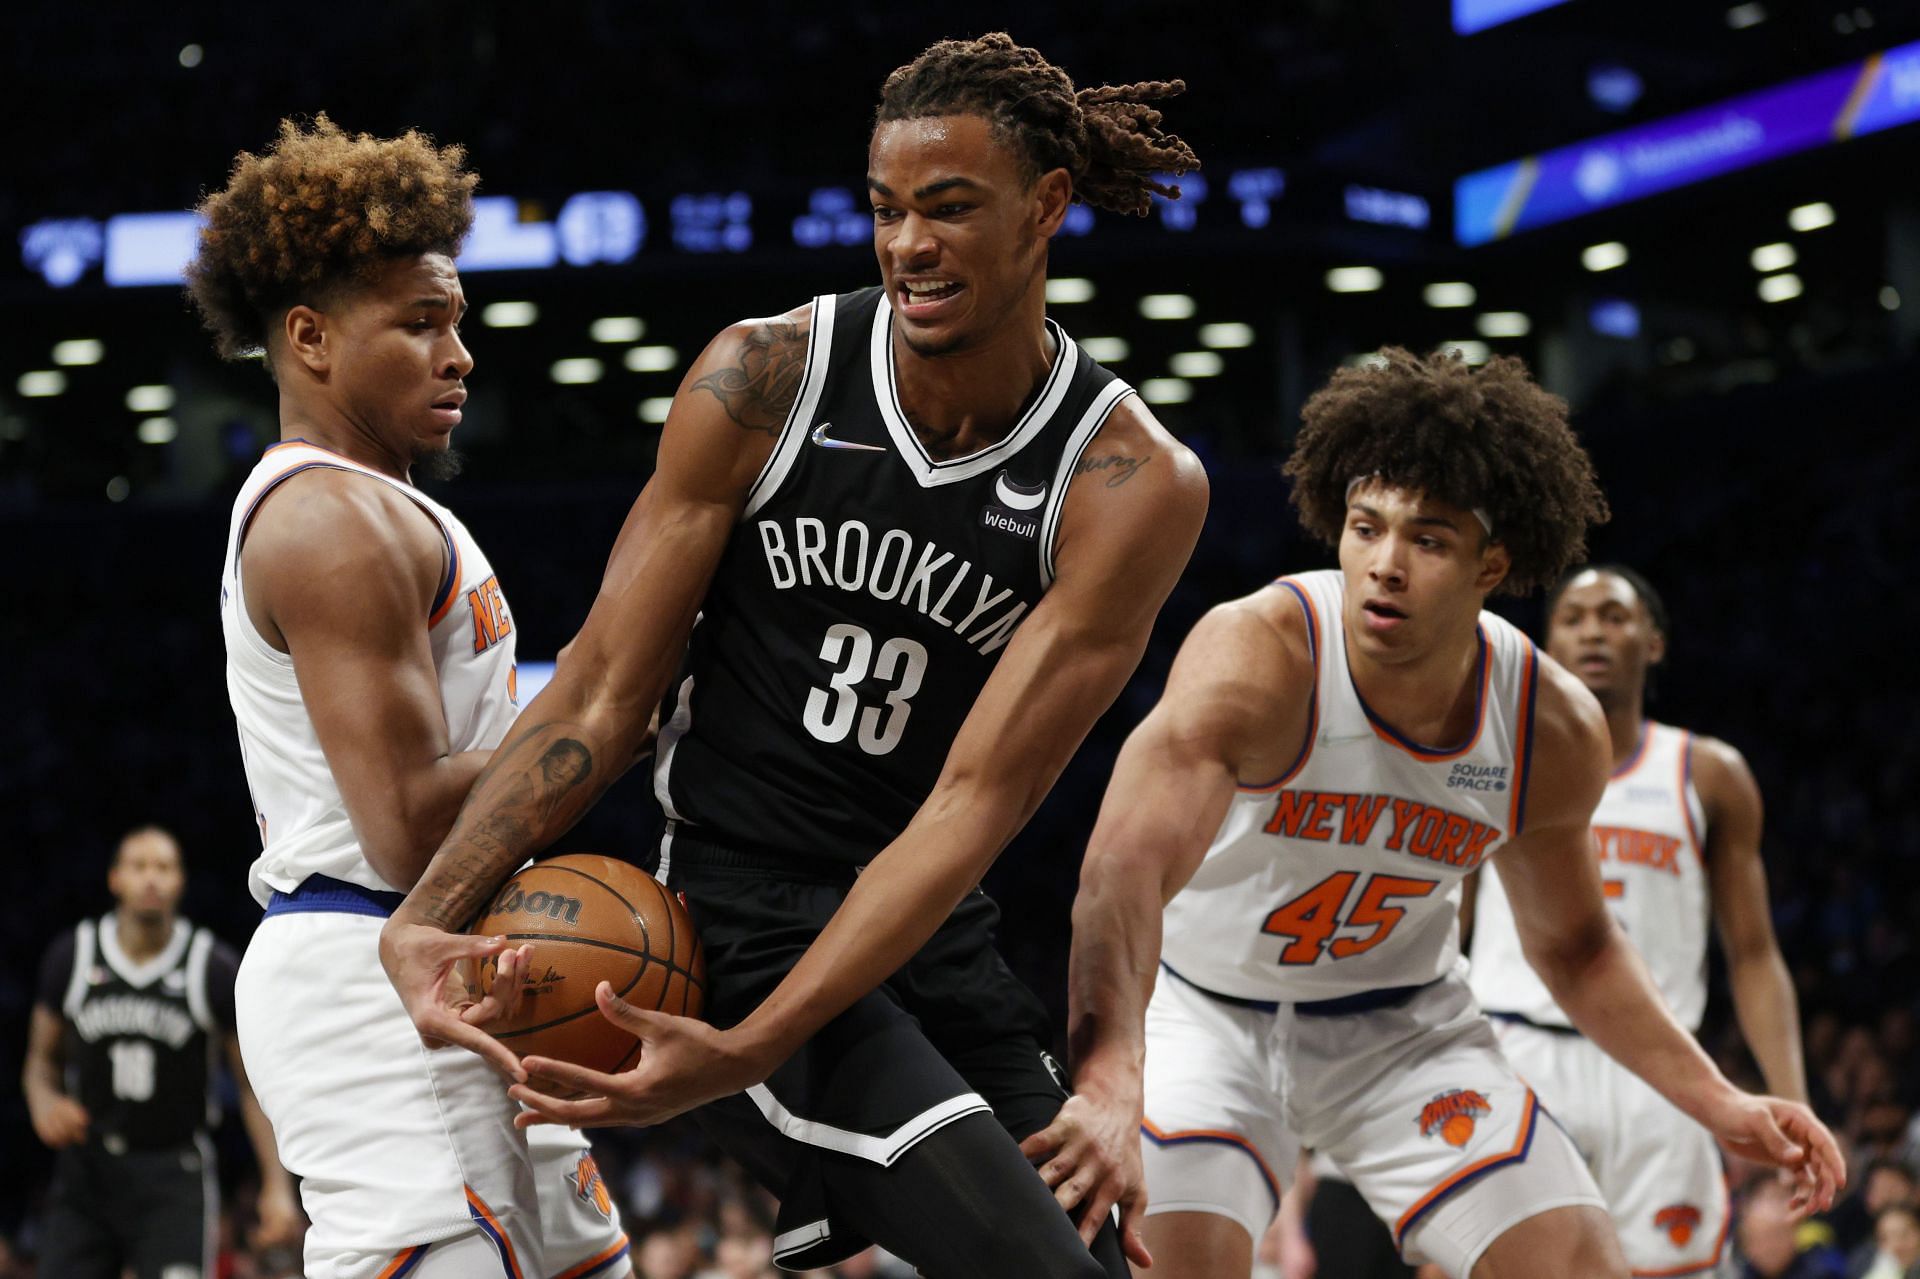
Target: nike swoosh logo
819,437
1015,499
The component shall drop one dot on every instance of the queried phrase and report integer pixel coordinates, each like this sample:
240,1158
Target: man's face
960,233
148,875
1416,570
1601,631
398,364
1886,1187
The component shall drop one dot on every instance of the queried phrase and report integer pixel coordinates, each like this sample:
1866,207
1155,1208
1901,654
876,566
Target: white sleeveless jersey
1647,833
1343,875
304,828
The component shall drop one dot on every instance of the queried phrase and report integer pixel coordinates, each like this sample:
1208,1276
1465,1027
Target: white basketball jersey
1647,833
1343,875
304,828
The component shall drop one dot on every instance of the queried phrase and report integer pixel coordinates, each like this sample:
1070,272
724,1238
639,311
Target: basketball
591,919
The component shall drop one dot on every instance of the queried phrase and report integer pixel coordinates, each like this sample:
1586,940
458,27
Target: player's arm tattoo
758,390
535,788
1118,468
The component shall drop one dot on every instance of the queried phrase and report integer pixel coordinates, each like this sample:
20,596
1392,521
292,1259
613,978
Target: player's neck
141,938
969,399
323,425
1626,721
1430,698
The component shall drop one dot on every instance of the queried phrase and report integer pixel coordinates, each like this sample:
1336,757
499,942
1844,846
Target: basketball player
129,1011
1678,837
370,662
924,537
1331,757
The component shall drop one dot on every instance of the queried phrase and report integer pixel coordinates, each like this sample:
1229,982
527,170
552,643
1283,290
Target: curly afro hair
321,209
1487,438
1107,139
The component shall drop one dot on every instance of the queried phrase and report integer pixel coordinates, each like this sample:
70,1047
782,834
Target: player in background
1332,755
370,664
129,1013
1678,837
926,538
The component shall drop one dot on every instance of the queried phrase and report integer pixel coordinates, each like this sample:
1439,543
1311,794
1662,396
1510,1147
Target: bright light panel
1450,293
1742,16
1106,350
578,371
618,328
655,408
509,315
41,383
154,398
1781,288
1811,217
1503,324
1773,257
1470,351
1604,257
1166,390
1229,336
1069,290
1167,306
1197,364
1355,279
651,359
78,351
159,430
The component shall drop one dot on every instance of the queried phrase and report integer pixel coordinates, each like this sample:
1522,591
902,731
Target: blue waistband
337,896
1365,1001
1537,1025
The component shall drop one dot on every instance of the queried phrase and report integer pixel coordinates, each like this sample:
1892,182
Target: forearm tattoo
759,390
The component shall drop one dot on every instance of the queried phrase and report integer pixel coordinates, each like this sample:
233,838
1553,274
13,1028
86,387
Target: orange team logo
1452,1115
1679,1221
589,1188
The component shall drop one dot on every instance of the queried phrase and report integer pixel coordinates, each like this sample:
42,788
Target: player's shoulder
329,519
1571,750
1134,450
1263,640
753,369
1719,771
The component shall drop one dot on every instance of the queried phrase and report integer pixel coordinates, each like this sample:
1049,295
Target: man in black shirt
127,1013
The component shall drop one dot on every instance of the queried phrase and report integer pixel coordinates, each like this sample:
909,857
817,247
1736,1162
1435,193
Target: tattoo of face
759,390
1116,468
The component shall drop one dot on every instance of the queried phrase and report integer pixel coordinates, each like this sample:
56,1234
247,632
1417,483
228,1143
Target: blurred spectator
1896,1233
1774,1246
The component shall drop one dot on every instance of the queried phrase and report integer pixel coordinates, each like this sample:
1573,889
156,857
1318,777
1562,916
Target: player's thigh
172,1216
1663,1180
579,1224
1571,1242
473,1254
77,1237
1215,1140
1197,1245
1562,1071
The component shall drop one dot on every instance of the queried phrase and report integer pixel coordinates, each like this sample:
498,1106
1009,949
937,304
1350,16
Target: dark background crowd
1759,457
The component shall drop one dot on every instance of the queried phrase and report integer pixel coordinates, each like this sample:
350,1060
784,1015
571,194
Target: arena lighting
1354,279
1773,257
1228,336
41,383
1106,350
651,359
1365,360
1166,390
78,351
1167,306
578,371
1615,317
1197,364
159,430
618,328
654,408
1604,257
1742,16
1889,298
509,315
1867,96
1470,16
1503,324
1780,288
1469,350
118,488
191,56
155,397
1450,293
1068,290
1811,217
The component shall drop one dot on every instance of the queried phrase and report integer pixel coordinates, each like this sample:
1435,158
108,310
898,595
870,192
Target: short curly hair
1489,439
322,208
1107,139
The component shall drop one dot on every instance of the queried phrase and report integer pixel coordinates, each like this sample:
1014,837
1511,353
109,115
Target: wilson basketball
591,919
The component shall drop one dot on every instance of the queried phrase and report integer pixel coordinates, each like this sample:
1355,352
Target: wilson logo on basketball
552,905
588,1187
1679,1221
1451,1116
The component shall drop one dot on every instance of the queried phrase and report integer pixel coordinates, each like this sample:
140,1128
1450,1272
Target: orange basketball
591,919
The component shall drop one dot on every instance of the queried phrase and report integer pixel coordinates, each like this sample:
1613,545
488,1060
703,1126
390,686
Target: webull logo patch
1452,1116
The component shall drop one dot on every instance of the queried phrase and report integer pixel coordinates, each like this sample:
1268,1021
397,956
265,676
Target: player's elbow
1562,959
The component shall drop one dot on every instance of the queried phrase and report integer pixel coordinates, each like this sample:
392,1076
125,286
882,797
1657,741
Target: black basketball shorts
147,1213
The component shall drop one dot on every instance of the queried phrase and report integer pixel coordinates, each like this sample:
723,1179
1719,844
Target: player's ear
1656,647
1052,194
1495,563
305,333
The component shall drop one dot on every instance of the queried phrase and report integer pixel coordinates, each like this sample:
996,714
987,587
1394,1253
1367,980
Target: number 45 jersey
1343,875
865,596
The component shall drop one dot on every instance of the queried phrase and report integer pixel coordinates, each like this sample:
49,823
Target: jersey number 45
1312,918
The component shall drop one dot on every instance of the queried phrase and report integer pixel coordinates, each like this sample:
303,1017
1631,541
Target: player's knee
1575,1243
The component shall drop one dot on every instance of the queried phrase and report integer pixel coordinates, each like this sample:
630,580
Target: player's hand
683,1063
280,1220
424,964
61,1122
1784,1134
1090,1157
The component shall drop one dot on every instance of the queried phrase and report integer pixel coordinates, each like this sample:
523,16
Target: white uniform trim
670,734
793,435
197,1002
1083,432
209,1206
82,967
151,971
929,473
880,1150
792,1241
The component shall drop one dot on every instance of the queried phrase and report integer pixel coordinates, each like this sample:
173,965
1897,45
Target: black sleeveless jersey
865,596
139,1038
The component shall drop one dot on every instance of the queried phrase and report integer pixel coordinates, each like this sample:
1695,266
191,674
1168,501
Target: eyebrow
1440,521
932,188
434,304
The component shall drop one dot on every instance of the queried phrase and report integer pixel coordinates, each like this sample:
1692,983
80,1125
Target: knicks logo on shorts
1451,1116
589,1189
1679,1221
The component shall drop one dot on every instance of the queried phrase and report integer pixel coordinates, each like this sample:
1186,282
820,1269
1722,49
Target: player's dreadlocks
1489,439
321,208
1107,139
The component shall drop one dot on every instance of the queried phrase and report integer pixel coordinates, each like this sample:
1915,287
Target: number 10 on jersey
896,671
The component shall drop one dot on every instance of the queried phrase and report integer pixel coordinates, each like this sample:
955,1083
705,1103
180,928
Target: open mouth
447,408
919,294
1385,611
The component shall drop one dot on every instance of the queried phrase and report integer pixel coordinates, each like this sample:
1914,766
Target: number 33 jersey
866,594
1343,875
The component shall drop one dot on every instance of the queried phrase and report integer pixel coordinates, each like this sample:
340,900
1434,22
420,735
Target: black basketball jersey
865,596
139,1038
